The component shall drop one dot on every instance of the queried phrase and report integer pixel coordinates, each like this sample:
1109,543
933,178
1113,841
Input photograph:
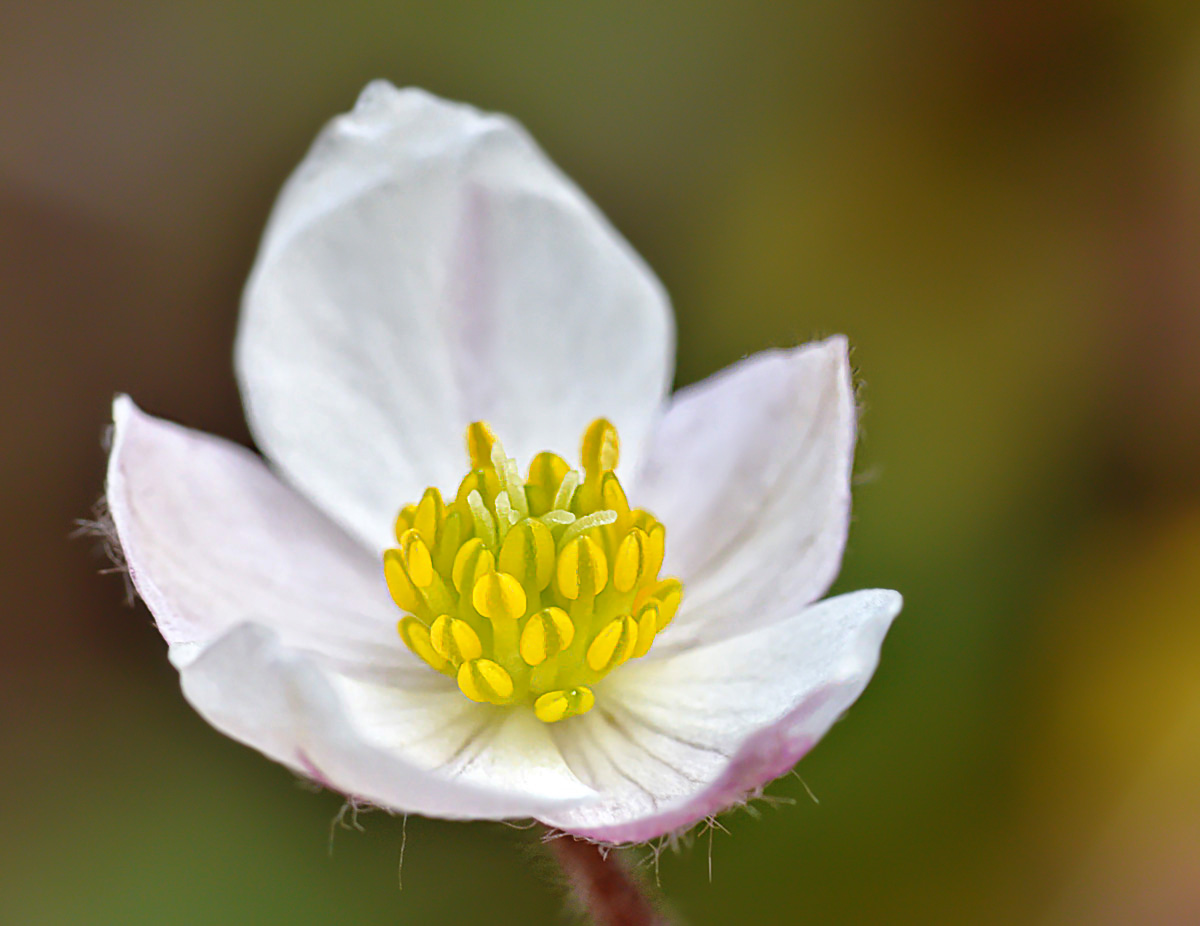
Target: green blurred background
999,202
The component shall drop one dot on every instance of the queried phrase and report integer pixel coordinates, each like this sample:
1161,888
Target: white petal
750,472
427,266
285,635
478,744
212,538
253,688
673,741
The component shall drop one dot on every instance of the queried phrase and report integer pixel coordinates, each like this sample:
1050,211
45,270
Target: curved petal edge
764,753
427,266
761,525
212,538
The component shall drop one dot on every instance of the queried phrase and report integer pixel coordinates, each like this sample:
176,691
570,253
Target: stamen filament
586,523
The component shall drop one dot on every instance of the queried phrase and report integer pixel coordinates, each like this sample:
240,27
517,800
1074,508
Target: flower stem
604,887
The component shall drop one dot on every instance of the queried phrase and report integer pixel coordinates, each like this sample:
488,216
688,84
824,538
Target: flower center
531,590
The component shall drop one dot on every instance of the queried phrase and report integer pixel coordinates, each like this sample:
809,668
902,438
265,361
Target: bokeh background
998,201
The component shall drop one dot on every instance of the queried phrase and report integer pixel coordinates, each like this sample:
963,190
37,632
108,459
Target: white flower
427,267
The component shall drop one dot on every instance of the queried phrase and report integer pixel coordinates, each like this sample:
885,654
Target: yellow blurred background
999,202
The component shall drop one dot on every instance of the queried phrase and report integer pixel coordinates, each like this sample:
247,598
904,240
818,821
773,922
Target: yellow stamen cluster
530,590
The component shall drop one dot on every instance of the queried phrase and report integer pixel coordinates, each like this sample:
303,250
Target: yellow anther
670,593
416,637
582,568
472,561
498,596
404,520
629,565
654,530
546,634
404,593
643,520
647,627
417,561
479,444
483,481
640,517
601,448
455,640
562,546
545,475
613,644
613,496
667,594
528,554
554,706
485,681
655,550
428,517
449,541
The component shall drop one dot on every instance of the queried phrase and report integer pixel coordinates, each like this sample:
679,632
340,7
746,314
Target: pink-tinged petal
213,538
671,742
750,472
255,689
427,266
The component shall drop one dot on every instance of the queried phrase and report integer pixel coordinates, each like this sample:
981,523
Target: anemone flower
617,658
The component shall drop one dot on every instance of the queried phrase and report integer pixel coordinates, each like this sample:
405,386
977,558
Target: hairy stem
604,887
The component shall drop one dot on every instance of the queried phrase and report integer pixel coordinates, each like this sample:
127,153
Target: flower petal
478,744
255,689
750,472
285,636
427,266
673,741
212,538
